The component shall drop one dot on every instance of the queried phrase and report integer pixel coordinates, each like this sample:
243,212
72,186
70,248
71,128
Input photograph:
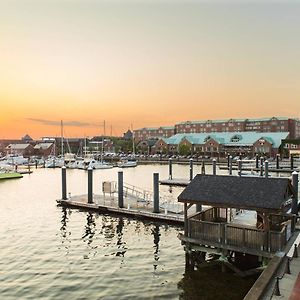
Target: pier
124,199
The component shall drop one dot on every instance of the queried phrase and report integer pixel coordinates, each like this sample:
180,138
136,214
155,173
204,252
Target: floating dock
175,182
135,208
10,175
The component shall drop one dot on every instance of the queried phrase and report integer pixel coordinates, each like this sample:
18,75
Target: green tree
184,150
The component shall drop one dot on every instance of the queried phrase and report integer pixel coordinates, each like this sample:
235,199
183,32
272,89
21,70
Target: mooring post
170,168
155,192
277,161
214,166
256,161
228,160
261,166
295,180
239,163
120,190
276,291
292,162
90,185
191,169
64,183
203,168
230,165
266,169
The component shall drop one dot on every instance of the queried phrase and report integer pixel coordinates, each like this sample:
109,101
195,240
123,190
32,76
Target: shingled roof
253,193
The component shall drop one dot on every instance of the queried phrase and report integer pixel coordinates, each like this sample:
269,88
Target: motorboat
127,163
95,164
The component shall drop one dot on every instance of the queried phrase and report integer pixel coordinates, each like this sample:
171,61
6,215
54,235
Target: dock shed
225,197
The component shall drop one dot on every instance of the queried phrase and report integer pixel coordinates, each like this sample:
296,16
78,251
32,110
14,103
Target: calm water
48,252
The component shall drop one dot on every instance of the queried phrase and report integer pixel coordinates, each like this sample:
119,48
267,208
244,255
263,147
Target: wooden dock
134,208
272,170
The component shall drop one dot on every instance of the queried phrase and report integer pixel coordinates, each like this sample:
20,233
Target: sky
144,63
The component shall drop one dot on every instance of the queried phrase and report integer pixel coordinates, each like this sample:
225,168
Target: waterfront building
20,149
219,144
153,133
273,124
44,149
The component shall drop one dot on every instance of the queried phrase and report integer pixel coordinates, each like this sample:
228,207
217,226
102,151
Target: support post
261,166
228,160
64,183
256,161
191,169
214,166
295,180
120,190
90,185
170,168
266,169
185,219
203,168
292,162
155,192
239,162
276,288
230,165
277,161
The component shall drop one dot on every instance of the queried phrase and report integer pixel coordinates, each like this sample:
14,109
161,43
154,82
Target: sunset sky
145,63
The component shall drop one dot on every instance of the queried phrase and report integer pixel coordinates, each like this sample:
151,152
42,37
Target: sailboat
96,164
131,161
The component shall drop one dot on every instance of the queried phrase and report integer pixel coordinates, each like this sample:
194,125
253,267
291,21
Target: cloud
66,123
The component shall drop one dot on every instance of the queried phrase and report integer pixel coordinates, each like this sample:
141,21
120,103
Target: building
20,149
146,133
273,124
219,144
44,149
249,217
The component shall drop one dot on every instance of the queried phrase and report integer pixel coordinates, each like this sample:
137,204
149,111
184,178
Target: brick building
220,144
153,133
273,124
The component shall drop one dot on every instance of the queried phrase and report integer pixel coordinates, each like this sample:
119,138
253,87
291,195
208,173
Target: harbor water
49,252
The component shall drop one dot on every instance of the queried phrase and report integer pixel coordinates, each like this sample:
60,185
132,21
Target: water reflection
66,213
120,244
156,239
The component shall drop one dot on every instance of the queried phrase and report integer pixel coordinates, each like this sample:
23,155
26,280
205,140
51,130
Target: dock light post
64,183
261,166
191,169
239,162
155,192
90,185
277,161
120,190
170,168
266,169
230,165
256,161
295,180
214,166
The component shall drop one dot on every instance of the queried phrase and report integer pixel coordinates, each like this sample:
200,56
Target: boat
127,163
95,164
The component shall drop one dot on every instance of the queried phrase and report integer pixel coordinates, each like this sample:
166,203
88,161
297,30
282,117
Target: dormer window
235,139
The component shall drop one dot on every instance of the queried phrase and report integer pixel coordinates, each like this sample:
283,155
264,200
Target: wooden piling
170,168
155,192
120,190
261,166
64,183
90,185
214,167
277,161
266,169
191,169
230,165
295,180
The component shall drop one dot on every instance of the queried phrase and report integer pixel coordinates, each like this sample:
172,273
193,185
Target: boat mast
133,147
62,138
102,148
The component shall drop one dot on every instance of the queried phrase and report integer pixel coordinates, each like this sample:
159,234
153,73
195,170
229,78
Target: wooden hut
220,199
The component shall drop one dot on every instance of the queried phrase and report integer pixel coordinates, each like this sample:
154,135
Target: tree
184,150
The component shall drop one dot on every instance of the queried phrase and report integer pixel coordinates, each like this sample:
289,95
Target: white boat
127,163
54,162
95,164
15,159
